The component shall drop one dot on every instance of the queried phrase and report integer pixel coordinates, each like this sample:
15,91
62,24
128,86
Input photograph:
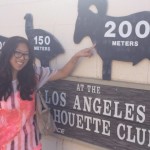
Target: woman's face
20,58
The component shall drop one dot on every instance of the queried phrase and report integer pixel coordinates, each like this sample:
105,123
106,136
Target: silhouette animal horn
101,5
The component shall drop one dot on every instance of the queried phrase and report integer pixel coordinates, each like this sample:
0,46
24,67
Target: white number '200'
112,26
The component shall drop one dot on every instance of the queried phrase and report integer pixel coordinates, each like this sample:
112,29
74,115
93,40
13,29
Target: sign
2,41
45,44
110,116
123,38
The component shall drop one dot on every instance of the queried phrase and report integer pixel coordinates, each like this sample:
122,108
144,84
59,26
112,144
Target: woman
19,79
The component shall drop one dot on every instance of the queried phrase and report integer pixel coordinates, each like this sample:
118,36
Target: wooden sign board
105,115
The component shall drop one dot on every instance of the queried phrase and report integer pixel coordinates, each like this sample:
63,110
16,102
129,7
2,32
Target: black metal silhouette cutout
3,39
45,45
123,38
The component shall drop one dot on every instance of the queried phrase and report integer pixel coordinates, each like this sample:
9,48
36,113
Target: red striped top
17,119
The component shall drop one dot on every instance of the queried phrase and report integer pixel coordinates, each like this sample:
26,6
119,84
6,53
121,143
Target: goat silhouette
131,44
45,45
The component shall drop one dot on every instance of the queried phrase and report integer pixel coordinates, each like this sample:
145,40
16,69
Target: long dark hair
26,77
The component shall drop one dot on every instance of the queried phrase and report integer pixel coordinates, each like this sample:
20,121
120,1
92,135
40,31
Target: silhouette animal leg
44,62
106,70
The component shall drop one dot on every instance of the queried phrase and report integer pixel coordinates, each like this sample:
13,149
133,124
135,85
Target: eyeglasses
18,54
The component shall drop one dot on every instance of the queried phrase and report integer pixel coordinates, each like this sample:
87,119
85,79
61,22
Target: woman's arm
68,68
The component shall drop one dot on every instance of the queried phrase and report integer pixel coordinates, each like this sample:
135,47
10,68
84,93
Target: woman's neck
14,75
